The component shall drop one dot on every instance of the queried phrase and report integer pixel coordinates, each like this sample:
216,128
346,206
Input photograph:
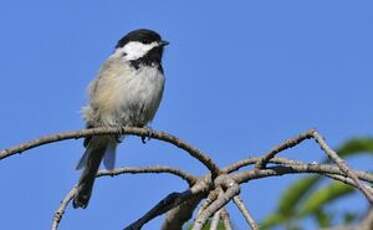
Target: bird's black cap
145,36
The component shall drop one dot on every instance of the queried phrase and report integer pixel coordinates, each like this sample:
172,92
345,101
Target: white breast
124,96
141,96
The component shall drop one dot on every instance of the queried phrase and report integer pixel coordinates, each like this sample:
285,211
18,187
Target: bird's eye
124,54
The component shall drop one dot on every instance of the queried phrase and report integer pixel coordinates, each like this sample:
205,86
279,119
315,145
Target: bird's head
139,43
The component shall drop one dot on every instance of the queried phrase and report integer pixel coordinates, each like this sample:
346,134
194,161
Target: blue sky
241,77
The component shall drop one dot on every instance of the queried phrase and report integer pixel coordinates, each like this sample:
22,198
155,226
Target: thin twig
347,180
341,164
226,219
243,177
253,160
213,195
289,143
178,216
166,204
312,133
215,220
115,172
217,193
141,132
150,169
245,212
232,189
215,180
300,167
163,206
61,209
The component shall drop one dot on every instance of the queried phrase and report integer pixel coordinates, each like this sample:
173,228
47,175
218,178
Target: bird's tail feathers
110,155
97,147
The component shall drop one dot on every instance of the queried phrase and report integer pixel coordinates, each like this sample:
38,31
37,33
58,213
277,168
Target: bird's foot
118,138
148,135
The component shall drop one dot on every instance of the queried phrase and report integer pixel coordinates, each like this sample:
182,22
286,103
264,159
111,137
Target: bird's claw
148,135
118,139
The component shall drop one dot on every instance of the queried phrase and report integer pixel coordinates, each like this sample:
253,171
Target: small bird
127,92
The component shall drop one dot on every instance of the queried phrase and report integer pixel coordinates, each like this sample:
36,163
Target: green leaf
272,220
295,193
356,145
323,219
317,200
289,200
349,217
299,200
220,225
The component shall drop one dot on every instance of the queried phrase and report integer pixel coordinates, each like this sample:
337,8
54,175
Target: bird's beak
164,43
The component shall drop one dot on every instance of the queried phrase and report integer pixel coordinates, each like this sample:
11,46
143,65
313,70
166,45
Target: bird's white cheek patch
135,50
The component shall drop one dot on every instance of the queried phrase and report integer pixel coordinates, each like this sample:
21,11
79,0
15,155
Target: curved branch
314,134
215,220
150,169
170,202
213,195
141,132
243,177
167,203
115,172
342,165
204,186
289,143
178,216
298,165
61,209
226,219
347,181
253,160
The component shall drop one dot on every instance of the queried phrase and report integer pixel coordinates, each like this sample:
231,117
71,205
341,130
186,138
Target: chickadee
126,92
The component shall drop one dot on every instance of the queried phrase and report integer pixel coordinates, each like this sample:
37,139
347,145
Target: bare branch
150,169
347,181
226,219
213,195
217,193
243,177
178,216
312,133
245,212
289,143
141,132
219,186
298,167
61,209
253,160
232,189
171,201
342,165
163,206
215,220
115,172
